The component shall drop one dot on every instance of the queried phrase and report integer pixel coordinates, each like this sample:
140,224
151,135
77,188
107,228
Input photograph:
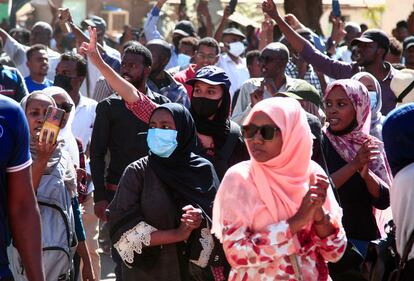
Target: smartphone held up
51,125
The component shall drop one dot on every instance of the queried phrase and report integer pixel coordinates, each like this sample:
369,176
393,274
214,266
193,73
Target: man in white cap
402,84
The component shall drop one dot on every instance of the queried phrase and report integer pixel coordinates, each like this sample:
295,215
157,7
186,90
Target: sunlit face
162,119
340,111
205,55
133,69
204,90
38,63
35,113
367,53
260,149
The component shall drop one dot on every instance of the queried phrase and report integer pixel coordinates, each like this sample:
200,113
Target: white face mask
373,99
236,48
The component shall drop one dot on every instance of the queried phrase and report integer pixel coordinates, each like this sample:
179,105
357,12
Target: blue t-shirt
34,86
12,83
14,156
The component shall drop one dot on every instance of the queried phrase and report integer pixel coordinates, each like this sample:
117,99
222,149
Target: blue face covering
373,99
162,142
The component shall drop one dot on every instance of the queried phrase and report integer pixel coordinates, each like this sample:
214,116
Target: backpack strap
404,256
405,92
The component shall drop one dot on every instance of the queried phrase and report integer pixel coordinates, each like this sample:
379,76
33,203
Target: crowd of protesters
221,154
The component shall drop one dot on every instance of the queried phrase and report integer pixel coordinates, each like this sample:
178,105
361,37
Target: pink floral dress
267,255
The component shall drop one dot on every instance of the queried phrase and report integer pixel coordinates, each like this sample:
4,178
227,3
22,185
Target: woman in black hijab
220,139
161,201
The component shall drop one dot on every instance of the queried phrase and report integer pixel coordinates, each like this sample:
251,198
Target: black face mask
204,107
64,82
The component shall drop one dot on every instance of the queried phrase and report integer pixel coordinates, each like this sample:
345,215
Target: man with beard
160,80
119,133
371,49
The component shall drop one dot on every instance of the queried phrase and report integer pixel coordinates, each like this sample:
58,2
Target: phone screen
232,6
53,120
336,8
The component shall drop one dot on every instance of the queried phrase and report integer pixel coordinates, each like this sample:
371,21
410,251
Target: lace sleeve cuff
133,240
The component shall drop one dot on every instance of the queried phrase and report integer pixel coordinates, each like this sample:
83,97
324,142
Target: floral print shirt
267,255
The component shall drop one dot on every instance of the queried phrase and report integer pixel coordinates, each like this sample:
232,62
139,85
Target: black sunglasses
266,131
66,106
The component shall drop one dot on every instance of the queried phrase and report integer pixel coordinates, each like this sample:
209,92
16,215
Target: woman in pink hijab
275,214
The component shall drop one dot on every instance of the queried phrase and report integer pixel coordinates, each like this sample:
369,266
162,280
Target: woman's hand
44,147
368,151
190,220
311,204
91,49
269,7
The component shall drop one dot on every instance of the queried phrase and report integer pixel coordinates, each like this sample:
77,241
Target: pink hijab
255,194
348,145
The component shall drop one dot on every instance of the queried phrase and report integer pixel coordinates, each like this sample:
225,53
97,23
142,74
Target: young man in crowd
38,64
408,52
41,33
207,53
160,81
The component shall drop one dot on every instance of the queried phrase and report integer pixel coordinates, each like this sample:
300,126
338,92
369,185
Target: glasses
206,57
266,131
66,106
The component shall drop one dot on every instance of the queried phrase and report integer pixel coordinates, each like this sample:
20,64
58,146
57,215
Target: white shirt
237,72
17,53
243,107
84,119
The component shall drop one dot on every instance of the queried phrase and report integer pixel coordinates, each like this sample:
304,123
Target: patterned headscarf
347,145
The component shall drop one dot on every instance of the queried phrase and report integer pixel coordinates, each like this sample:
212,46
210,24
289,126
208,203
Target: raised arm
125,89
296,41
150,26
220,28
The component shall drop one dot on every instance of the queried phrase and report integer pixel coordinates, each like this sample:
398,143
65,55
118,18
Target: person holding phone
50,156
276,215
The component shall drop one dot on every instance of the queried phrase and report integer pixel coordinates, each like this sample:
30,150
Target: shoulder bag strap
404,257
405,92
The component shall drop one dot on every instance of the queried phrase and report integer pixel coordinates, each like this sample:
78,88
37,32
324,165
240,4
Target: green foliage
374,15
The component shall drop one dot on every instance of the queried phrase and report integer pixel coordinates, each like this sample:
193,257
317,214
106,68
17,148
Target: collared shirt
84,118
243,107
102,89
175,91
341,70
237,72
35,86
17,53
310,76
184,76
12,83
89,84
119,132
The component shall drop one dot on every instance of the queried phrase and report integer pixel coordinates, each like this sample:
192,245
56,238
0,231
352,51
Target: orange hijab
255,194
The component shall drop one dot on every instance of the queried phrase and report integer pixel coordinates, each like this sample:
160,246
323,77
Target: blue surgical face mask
373,99
162,142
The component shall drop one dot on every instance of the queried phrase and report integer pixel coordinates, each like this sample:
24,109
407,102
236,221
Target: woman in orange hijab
275,214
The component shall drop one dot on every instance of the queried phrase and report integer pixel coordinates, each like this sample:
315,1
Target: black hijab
219,127
192,178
